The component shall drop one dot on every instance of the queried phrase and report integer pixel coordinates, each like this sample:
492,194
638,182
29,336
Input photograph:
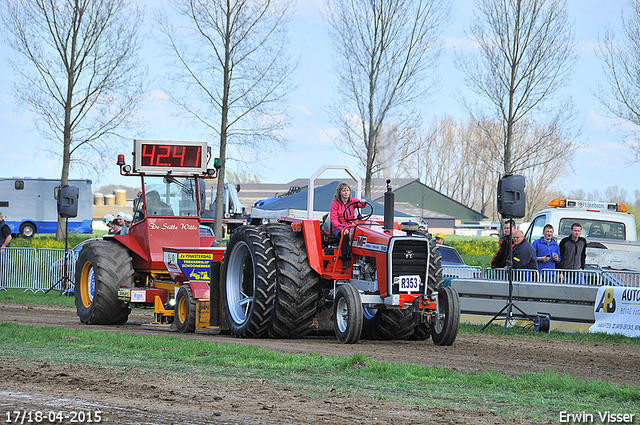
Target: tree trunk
224,112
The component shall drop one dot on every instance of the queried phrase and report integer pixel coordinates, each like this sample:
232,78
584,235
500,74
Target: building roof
420,200
430,200
414,211
296,204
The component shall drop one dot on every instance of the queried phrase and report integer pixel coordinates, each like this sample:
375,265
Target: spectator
5,237
524,256
342,211
107,219
573,250
440,238
118,227
547,250
128,220
499,261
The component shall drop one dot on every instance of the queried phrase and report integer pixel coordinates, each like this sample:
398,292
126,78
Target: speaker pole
511,200
510,305
64,280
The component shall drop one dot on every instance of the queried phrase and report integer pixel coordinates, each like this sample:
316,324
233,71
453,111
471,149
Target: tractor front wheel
347,314
444,326
185,310
102,268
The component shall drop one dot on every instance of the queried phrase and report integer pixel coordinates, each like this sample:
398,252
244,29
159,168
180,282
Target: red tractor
278,277
272,280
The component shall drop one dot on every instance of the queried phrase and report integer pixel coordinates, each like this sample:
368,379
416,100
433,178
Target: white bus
29,205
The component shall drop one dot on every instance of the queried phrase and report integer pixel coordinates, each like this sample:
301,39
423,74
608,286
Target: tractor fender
313,242
200,290
130,242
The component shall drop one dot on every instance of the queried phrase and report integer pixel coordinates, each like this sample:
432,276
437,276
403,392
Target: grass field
535,396
538,395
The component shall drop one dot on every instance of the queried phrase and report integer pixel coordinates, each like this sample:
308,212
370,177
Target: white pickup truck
612,240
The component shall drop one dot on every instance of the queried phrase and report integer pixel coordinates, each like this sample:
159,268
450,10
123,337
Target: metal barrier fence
462,272
34,269
591,277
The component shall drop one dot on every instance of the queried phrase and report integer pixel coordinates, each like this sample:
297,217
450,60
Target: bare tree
621,61
526,54
448,162
610,194
458,162
386,50
234,72
79,73
543,156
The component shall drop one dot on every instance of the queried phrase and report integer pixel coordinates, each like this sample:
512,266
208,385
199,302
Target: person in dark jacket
573,250
499,261
5,238
524,255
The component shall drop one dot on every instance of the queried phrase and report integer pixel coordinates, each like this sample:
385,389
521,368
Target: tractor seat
328,240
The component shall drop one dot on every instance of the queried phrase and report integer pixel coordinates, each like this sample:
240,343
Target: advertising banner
617,311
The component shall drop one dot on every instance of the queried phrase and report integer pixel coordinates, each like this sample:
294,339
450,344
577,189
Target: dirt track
136,397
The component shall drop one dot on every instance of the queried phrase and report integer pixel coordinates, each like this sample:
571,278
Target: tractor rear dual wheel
297,284
103,267
389,324
249,282
435,279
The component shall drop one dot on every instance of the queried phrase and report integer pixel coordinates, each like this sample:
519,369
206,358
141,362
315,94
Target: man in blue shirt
547,249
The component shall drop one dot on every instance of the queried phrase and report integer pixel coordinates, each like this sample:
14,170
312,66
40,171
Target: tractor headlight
409,227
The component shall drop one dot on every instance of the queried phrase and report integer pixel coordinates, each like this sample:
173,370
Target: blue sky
601,162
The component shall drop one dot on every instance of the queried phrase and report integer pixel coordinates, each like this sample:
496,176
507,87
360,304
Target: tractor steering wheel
359,216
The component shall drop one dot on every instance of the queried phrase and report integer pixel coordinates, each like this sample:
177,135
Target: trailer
29,205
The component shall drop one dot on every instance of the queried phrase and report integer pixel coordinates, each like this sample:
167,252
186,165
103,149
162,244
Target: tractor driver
341,200
155,206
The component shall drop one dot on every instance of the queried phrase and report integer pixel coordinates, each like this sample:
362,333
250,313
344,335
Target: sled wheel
185,310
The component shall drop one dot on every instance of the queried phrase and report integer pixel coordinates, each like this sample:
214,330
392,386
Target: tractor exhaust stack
389,201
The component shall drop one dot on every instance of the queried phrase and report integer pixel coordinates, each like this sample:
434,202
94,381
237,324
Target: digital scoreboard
153,156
